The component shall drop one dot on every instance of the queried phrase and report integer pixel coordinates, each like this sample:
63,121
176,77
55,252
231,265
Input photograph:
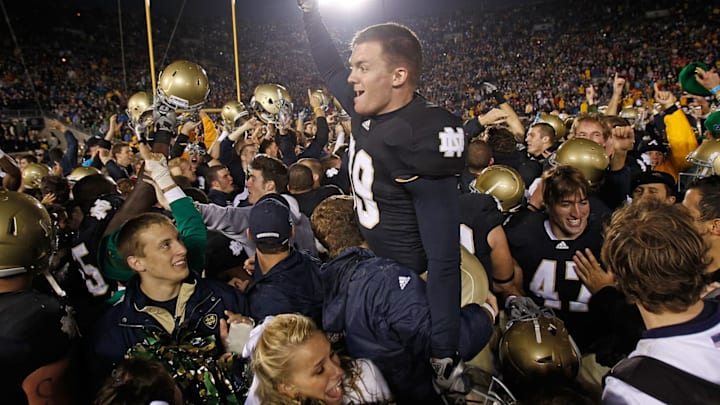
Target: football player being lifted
405,154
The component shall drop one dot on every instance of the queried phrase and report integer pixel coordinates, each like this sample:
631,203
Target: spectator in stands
118,164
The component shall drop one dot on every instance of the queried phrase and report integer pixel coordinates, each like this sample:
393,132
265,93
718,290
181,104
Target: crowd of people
542,56
489,210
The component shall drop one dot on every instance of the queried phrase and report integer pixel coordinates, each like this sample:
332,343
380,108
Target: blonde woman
294,364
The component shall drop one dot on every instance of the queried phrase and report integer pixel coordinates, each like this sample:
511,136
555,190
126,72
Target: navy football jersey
479,215
549,275
37,330
402,168
85,249
419,140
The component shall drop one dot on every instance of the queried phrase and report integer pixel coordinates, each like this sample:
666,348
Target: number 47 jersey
420,140
549,275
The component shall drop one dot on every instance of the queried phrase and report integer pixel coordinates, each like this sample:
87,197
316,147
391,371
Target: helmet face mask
27,239
183,85
503,183
706,162
584,155
705,154
272,104
139,109
486,389
631,114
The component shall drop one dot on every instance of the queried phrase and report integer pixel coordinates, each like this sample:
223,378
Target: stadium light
342,5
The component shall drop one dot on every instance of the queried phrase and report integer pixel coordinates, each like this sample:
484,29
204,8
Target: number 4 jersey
549,275
393,149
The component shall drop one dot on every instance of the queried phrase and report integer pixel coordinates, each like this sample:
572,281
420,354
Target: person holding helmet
140,111
543,245
32,176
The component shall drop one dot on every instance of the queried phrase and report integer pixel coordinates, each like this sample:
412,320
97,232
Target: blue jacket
381,307
131,319
291,286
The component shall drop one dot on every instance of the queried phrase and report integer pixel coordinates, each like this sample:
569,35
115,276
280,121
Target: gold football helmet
183,85
139,109
502,182
137,104
629,113
323,97
80,172
706,161
635,116
705,154
26,235
537,347
272,104
555,122
233,112
32,175
584,155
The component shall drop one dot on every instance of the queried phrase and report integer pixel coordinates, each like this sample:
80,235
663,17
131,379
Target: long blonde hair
279,340
282,336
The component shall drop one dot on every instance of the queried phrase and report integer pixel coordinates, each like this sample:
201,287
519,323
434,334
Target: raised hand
665,98
591,273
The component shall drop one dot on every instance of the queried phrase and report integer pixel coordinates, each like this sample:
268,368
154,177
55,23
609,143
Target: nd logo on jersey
452,142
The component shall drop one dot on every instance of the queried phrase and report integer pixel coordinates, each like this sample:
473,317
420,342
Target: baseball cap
270,223
653,144
653,176
93,140
712,123
688,81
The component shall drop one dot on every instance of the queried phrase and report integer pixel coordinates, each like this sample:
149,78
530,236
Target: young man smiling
543,246
165,296
405,154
